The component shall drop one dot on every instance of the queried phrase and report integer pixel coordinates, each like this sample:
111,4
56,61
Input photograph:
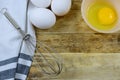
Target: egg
41,3
42,18
61,7
102,16
106,16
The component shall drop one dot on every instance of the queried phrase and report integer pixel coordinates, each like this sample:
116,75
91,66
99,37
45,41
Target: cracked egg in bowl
102,15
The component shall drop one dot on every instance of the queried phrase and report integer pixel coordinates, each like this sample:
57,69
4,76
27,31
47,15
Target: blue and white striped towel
15,59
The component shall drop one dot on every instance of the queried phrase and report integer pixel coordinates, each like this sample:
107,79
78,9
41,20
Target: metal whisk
51,63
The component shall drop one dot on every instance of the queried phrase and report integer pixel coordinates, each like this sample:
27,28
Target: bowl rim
90,26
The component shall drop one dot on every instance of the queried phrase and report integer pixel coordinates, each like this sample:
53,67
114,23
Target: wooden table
87,55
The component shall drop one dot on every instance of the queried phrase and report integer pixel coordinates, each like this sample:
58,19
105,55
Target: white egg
41,3
61,7
42,18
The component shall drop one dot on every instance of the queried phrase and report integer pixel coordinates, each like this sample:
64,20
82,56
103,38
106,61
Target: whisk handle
14,23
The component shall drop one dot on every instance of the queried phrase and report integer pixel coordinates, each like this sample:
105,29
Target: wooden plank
82,66
81,42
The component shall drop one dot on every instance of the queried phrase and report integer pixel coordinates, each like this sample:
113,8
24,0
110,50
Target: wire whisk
50,62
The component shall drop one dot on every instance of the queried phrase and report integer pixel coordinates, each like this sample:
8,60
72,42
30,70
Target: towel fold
15,59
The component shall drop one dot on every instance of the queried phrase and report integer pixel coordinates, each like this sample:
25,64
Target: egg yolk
106,16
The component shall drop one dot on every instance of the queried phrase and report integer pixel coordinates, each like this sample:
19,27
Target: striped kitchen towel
15,60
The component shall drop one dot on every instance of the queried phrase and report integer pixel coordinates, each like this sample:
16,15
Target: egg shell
42,18
41,3
61,7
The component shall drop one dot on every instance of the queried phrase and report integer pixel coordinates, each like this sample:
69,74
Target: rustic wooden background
87,55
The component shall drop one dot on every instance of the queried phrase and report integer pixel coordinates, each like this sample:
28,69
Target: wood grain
73,40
